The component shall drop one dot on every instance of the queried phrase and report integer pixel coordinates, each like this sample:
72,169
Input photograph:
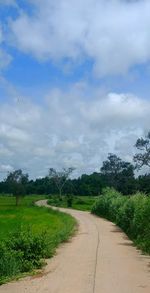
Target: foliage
69,199
29,235
143,183
83,203
86,185
119,174
132,214
60,177
114,173
143,157
16,183
10,263
22,252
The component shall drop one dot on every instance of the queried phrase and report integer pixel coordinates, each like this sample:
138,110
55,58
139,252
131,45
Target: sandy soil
99,259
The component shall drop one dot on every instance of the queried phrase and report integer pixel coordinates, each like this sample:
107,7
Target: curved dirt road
99,259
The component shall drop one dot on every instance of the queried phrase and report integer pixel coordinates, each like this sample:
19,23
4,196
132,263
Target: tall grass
132,214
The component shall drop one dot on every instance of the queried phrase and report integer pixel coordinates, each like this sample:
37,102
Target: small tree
60,177
143,157
16,184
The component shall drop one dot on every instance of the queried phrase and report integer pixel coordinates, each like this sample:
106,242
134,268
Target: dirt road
99,259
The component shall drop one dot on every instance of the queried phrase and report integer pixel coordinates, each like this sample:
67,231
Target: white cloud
8,2
71,129
5,58
114,34
123,108
4,169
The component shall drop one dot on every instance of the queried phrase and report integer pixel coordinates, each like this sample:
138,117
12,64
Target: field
29,228
83,203
30,234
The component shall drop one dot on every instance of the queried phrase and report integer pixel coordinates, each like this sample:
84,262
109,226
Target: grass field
83,203
27,223
11,217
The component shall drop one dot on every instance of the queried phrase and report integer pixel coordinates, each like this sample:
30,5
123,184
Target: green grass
11,217
83,203
58,227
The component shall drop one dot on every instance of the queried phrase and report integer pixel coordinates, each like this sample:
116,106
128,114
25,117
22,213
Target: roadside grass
28,235
83,203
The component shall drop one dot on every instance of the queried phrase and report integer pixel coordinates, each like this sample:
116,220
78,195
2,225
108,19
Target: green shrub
125,215
55,201
10,262
80,201
31,247
69,200
132,214
141,221
22,252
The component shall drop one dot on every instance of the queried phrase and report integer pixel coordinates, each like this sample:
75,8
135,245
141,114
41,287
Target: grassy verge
83,203
132,214
29,234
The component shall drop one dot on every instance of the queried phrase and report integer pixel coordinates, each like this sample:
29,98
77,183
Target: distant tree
60,177
16,182
143,157
114,165
118,174
143,183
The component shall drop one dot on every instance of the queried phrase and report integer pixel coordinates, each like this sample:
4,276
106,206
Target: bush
55,201
31,247
22,252
80,201
10,263
69,200
132,214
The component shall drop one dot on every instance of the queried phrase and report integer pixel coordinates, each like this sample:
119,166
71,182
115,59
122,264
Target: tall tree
60,177
143,157
118,174
16,182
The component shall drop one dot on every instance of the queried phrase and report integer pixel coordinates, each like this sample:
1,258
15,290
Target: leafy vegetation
83,203
29,234
132,214
60,177
16,182
142,158
114,173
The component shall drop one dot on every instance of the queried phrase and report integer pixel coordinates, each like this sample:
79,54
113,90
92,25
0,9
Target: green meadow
28,235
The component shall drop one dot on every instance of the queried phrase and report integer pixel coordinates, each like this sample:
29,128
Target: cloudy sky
74,82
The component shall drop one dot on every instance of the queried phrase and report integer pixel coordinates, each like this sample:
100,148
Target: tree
60,177
143,183
118,174
143,157
16,182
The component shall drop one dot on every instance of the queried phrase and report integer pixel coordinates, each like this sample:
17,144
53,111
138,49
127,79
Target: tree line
114,173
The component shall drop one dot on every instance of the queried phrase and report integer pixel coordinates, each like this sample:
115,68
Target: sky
74,83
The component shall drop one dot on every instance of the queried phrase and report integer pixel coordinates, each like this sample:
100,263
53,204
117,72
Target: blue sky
74,82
